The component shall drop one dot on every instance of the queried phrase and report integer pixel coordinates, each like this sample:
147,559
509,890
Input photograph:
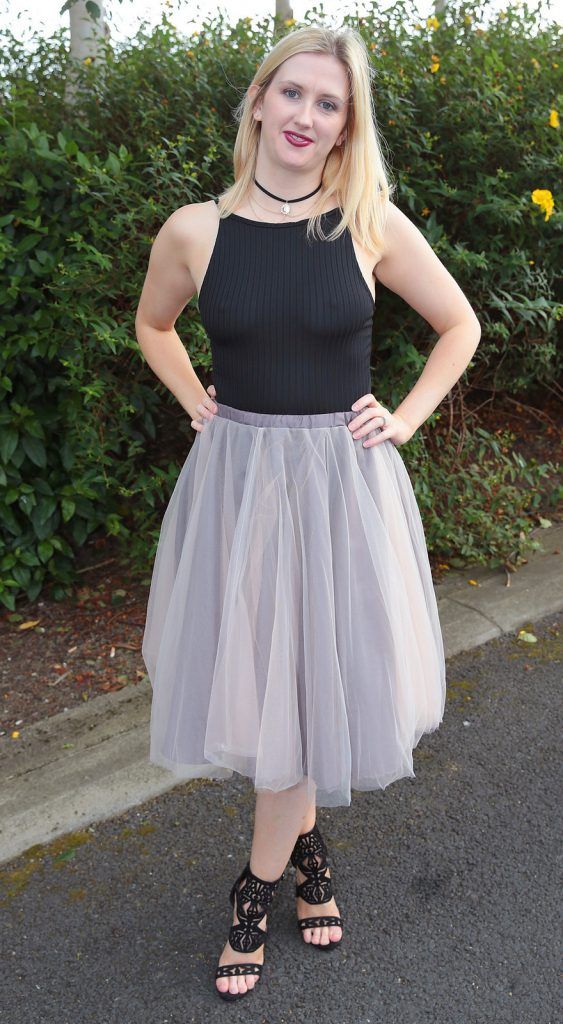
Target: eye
331,106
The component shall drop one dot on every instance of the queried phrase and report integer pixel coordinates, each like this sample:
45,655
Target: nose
305,117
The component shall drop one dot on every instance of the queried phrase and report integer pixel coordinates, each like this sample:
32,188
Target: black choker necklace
286,208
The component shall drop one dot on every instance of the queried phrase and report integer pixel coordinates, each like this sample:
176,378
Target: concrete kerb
91,762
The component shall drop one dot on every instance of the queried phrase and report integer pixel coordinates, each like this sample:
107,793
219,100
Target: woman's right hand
206,408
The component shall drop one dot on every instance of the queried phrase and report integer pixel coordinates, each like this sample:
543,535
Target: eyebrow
328,95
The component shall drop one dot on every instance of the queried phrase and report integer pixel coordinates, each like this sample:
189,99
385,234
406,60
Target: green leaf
112,163
68,508
22,575
45,550
83,160
43,512
93,9
29,242
35,450
8,443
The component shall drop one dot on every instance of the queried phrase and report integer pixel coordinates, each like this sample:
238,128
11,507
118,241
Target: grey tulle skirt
292,631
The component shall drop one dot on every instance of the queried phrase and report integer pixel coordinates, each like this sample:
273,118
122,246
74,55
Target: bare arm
411,268
167,289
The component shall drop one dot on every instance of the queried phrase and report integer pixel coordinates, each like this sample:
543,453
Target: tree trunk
87,34
283,9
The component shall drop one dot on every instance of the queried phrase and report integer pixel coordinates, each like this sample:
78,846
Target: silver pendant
286,208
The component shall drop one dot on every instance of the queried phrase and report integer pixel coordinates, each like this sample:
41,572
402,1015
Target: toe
222,984
335,933
325,939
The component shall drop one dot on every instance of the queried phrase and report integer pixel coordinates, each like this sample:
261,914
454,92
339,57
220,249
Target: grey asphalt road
446,882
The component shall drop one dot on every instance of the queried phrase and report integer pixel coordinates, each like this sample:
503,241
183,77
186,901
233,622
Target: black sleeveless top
289,320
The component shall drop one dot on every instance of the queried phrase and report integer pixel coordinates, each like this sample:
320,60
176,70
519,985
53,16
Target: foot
241,982
328,933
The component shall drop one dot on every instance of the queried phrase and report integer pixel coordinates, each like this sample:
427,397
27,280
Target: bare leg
279,819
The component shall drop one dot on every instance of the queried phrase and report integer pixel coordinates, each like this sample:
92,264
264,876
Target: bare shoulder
186,225
174,264
410,268
398,228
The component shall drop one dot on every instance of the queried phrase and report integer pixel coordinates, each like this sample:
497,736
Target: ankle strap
256,889
308,843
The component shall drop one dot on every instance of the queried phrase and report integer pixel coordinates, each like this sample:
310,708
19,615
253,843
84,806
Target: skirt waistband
282,419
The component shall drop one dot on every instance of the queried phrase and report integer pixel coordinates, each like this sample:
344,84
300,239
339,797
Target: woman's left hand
371,415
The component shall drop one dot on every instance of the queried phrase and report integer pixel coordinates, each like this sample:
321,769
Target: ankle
264,876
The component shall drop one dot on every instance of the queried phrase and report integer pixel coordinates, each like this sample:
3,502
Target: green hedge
90,440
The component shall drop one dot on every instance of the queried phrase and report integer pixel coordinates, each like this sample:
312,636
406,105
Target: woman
292,633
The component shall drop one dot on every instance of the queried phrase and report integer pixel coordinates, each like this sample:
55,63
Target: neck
284,182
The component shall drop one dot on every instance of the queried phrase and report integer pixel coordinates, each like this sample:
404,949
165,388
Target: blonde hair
355,172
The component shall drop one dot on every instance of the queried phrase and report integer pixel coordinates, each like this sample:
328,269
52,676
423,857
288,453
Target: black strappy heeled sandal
310,856
246,936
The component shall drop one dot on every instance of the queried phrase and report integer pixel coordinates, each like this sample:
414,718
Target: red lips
297,140
299,136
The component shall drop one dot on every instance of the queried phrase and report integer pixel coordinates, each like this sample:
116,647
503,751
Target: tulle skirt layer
292,632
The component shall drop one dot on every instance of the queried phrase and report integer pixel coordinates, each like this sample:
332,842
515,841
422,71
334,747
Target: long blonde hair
355,173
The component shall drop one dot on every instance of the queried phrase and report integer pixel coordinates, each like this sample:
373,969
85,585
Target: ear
257,110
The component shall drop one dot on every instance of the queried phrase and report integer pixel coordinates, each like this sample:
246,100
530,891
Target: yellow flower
87,60
468,19
289,21
544,199
553,118
424,212
435,66
432,22
536,63
531,262
15,734
442,79
190,53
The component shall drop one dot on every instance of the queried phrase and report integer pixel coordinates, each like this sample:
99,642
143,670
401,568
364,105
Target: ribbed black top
289,319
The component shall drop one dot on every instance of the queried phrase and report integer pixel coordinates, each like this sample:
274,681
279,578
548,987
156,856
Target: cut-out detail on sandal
253,898
310,856
231,970
319,922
